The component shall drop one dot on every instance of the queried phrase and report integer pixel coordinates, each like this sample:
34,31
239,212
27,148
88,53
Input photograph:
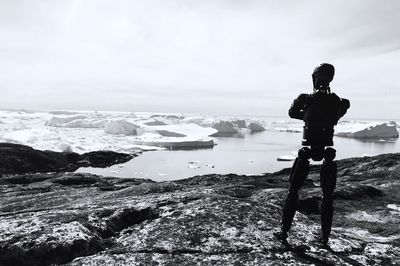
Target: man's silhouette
320,112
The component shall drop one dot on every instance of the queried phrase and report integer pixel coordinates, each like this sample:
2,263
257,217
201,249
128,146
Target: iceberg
225,128
178,136
240,123
256,127
155,122
369,131
121,127
84,123
192,130
61,121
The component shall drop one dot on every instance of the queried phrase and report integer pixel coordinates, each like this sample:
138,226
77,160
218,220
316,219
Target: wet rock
102,159
18,159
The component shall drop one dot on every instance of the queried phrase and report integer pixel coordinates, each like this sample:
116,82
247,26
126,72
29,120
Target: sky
230,57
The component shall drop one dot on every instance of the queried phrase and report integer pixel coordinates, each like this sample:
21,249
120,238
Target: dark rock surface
20,159
83,219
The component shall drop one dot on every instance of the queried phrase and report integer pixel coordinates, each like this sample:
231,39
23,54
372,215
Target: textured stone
83,219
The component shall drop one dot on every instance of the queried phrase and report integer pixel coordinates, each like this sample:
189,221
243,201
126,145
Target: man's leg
298,177
328,184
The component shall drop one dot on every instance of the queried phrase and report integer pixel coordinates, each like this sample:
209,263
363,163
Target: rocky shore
49,215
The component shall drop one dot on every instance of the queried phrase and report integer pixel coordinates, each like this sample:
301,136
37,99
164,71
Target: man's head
322,76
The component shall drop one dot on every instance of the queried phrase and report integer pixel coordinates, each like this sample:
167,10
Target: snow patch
393,207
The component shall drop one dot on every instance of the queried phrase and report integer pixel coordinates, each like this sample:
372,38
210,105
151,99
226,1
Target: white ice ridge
83,131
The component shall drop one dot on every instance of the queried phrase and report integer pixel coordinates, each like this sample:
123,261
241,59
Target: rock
121,127
103,158
83,219
19,159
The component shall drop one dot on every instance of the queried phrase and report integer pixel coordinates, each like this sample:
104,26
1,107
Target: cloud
255,55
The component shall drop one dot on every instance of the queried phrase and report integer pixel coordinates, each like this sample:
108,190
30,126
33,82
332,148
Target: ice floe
286,158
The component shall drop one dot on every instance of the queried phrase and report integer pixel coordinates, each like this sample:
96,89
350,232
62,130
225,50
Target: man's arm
296,111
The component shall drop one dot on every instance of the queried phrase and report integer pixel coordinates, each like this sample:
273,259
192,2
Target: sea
248,153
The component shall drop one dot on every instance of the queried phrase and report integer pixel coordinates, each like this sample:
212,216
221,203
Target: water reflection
255,154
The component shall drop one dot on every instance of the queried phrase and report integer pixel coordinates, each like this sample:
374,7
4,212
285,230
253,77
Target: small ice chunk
209,165
193,164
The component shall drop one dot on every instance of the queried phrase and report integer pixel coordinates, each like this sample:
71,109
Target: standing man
320,112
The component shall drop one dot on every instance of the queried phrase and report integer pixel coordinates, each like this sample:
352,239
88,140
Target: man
320,112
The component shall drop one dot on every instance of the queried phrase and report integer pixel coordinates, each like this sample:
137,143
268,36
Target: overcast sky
235,57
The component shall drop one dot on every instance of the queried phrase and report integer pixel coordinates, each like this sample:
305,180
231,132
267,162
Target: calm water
255,154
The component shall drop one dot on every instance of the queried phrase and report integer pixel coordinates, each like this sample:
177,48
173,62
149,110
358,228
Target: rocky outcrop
83,219
19,159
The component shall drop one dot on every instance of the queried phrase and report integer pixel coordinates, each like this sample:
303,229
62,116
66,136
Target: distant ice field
174,146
